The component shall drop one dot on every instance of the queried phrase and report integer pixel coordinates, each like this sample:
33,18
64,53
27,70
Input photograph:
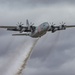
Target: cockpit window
44,25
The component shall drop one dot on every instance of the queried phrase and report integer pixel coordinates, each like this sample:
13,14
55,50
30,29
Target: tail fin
28,25
27,22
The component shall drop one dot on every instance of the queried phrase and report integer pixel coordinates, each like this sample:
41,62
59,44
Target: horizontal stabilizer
20,34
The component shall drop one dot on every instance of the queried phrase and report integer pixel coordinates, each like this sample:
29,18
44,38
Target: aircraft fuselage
40,30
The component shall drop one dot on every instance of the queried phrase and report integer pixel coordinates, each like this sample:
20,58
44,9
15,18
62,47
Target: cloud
64,69
32,3
52,54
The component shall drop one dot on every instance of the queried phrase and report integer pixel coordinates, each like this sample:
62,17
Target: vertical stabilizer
27,22
28,25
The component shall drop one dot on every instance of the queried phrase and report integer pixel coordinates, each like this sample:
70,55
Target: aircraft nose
48,26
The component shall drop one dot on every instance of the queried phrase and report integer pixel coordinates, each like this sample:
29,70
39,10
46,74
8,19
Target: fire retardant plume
18,57
26,58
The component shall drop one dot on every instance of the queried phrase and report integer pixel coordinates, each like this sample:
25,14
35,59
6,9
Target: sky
54,53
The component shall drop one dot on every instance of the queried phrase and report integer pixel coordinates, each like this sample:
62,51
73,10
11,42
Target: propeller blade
62,23
52,23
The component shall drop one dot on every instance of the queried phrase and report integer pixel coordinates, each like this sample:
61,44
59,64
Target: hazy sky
54,54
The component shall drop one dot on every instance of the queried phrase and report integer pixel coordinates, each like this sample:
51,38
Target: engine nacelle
62,27
20,28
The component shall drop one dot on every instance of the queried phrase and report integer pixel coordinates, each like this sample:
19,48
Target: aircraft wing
16,28
66,26
69,26
7,26
61,27
20,27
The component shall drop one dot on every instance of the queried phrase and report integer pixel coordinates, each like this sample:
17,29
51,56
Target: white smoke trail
16,61
26,59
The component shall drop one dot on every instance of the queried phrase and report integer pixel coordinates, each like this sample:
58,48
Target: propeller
52,27
62,27
31,24
20,26
62,23
32,27
52,24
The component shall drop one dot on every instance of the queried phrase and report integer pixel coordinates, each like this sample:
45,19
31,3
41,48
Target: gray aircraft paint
40,30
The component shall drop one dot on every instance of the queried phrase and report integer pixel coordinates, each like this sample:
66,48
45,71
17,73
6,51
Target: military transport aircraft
36,31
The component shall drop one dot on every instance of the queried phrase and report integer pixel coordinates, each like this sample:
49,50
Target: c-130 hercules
36,31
